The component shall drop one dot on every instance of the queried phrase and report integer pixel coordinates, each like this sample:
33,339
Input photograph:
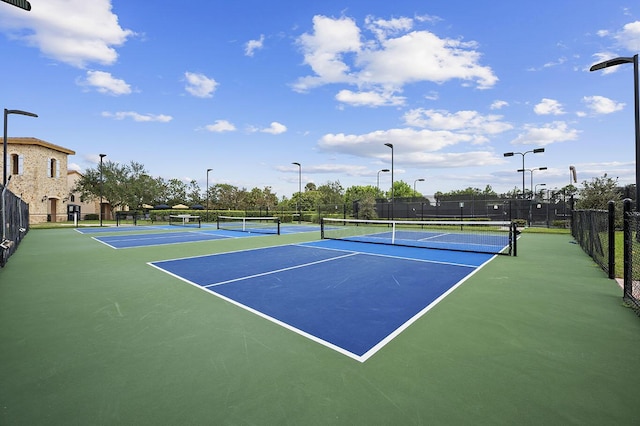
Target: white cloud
383,28
407,142
417,148
334,169
371,99
558,131
629,36
324,49
199,85
121,115
560,61
337,53
75,32
252,45
498,104
221,126
602,105
548,107
466,122
105,83
275,128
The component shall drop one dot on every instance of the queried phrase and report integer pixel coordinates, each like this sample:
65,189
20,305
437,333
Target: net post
393,233
514,238
278,223
218,222
322,228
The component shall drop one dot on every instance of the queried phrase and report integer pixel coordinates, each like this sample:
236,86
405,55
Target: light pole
299,189
22,4
531,170
208,170
378,182
511,154
390,145
6,113
636,96
536,188
101,183
414,185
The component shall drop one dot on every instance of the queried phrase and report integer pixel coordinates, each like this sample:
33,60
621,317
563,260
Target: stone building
37,173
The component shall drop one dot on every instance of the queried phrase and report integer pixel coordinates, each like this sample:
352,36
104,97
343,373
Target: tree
355,193
193,194
597,193
119,185
261,198
470,192
176,192
367,207
330,193
401,189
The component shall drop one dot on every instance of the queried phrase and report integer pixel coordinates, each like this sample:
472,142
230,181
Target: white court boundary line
360,358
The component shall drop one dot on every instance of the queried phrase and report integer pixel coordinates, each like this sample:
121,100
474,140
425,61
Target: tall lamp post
636,96
531,170
414,185
6,114
536,188
299,189
101,184
208,170
390,145
511,154
378,181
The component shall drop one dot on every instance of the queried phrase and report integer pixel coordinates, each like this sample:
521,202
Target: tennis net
263,225
474,236
185,220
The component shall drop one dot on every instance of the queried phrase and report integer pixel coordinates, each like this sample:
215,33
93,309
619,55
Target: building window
52,170
16,164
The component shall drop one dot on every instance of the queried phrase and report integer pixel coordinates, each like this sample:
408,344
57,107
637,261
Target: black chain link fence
590,228
15,223
631,256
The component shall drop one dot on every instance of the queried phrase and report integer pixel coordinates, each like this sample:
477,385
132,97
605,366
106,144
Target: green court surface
95,336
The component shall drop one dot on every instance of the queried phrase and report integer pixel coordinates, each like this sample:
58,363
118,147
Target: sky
248,87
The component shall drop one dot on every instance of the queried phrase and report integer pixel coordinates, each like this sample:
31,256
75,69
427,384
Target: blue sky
245,88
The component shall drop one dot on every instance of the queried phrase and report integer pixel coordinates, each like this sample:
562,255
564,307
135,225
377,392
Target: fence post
612,239
628,289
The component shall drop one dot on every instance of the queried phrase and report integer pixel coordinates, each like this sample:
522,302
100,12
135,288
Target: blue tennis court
133,228
351,297
145,240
